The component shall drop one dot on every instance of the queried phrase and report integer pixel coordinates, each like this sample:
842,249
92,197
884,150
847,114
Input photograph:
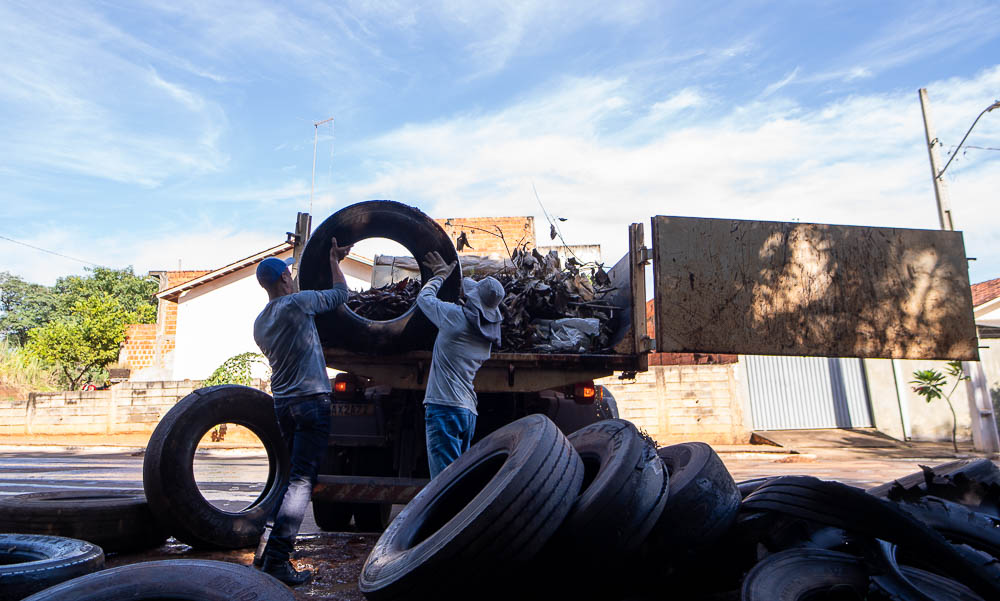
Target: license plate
344,409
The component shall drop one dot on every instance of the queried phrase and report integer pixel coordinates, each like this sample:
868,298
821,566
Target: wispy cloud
857,160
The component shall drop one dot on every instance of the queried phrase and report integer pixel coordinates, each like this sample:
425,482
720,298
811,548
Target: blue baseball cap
270,269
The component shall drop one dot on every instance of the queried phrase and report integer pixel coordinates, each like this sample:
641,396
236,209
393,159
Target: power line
995,105
967,147
51,252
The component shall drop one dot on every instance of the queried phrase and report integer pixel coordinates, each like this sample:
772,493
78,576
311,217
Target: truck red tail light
345,386
584,393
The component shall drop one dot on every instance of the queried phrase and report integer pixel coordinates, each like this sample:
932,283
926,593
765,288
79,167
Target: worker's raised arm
433,307
337,254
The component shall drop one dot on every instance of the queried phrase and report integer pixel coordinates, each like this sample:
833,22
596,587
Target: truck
720,285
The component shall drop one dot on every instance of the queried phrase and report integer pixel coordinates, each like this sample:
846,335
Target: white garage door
791,393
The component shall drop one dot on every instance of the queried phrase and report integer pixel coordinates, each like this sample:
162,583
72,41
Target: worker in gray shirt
286,333
466,335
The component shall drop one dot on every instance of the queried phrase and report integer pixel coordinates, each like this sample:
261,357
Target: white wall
215,320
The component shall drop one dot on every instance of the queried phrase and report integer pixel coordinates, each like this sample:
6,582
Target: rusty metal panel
772,288
366,489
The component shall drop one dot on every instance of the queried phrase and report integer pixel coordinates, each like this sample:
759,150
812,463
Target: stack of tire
528,513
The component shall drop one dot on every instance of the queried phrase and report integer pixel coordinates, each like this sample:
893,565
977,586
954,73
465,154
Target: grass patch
21,373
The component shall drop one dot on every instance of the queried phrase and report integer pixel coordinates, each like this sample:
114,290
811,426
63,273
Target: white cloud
857,160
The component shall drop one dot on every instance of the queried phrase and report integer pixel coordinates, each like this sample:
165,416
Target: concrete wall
901,413
678,403
215,321
130,407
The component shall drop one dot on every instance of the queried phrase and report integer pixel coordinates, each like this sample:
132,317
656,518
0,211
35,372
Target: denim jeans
305,427
449,434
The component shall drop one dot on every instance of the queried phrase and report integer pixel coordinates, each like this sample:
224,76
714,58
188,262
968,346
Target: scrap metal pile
549,307
604,514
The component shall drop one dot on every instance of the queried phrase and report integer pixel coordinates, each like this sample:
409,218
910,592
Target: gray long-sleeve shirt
459,351
286,333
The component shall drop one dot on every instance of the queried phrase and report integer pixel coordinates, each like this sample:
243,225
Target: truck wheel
372,517
33,562
624,491
332,517
493,508
200,579
168,470
703,500
114,520
404,224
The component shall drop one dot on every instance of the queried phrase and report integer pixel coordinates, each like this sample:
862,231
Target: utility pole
984,427
940,190
312,187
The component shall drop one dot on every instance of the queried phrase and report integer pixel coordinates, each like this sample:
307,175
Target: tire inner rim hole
459,494
231,468
591,467
393,264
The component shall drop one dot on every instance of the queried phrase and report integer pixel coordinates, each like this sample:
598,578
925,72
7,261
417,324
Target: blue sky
156,134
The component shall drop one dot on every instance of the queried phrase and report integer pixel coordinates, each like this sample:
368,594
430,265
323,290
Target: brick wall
678,403
516,230
150,345
127,408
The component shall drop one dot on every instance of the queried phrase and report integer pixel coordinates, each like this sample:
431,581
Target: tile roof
984,292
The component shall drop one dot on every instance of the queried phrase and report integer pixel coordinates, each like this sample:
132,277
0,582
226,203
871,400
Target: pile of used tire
528,513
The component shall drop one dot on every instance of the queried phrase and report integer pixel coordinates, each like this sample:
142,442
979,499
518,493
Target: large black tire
372,517
199,579
624,490
494,507
854,510
168,470
958,523
404,224
972,482
797,574
33,562
703,500
115,520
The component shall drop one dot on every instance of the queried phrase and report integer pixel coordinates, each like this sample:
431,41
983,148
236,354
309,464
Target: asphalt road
229,479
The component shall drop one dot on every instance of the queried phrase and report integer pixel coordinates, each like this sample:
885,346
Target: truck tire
494,507
800,574
855,510
372,517
33,562
958,523
168,469
703,500
624,490
332,517
115,520
200,579
404,224
972,482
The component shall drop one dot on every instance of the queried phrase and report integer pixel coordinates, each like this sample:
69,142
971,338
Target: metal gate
791,393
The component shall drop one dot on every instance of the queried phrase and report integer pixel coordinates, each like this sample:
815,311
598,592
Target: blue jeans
305,428
449,434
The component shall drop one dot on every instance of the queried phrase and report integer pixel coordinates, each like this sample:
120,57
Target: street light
995,105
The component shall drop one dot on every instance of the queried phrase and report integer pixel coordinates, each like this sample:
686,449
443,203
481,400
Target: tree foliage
24,306
134,293
235,370
87,338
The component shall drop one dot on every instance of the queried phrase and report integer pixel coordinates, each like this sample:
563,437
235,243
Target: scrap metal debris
549,307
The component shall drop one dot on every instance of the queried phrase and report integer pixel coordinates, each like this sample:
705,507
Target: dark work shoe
283,571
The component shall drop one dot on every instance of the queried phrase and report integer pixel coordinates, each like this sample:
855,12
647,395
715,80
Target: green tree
23,306
135,293
930,383
235,370
87,338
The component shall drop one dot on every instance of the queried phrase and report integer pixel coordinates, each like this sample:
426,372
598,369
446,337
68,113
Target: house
204,317
986,308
